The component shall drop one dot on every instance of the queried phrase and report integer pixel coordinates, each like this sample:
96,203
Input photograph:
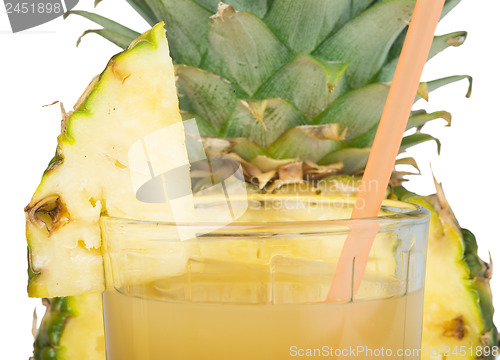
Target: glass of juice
257,288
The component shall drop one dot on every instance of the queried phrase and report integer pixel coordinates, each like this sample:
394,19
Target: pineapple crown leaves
267,70
113,31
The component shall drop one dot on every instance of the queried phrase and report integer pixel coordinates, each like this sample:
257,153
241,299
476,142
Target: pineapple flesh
294,106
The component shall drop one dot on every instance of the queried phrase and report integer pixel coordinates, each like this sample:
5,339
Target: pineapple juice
142,324
258,290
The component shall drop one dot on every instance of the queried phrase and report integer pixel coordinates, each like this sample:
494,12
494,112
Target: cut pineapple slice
135,96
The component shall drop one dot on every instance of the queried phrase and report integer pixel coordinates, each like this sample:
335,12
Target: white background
41,65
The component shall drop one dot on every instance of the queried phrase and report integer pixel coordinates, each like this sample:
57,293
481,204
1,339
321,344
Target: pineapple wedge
458,311
80,184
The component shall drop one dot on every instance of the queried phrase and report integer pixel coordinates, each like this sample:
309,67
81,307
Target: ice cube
296,280
216,281
141,262
171,288
380,286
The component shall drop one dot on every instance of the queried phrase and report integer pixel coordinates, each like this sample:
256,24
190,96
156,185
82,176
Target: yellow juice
144,323
259,291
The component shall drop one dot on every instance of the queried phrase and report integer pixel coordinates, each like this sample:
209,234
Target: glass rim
406,214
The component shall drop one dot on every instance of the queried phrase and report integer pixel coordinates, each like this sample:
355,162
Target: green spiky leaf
118,34
448,6
303,24
262,121
416,120
365,139
420,118
436,84
398,44
358,6
243,49
206,94
117,39
257,7
443,42
310,142
187,26
204,126
358,110
354,160
439,44
144,10
365,41
248,149
288,83
416,139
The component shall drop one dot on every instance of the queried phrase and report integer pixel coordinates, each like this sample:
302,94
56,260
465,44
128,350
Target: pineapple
295,88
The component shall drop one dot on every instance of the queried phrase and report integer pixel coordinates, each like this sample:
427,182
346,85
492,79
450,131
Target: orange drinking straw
352,262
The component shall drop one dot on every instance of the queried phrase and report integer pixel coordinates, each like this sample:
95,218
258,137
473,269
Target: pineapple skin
72,328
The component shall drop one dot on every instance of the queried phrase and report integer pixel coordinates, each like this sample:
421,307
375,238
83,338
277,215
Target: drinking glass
257,288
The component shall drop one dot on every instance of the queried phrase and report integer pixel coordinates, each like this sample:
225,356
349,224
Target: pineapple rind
51,328
481,274
68,319
86,319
